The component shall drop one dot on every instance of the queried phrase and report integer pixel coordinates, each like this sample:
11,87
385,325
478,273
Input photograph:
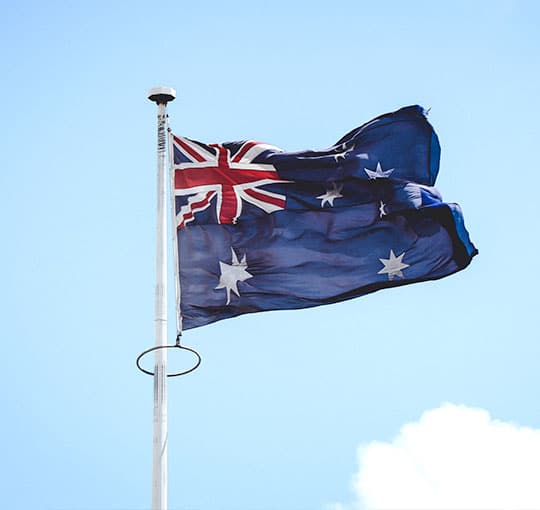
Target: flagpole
161,96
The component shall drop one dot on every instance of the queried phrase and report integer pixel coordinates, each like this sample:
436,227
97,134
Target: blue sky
275,416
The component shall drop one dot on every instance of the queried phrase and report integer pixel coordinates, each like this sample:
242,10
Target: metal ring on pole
175,346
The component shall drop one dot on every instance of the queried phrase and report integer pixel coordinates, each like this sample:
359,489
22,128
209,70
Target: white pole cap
161,95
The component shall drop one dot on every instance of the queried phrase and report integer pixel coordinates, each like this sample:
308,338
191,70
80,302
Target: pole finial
161,95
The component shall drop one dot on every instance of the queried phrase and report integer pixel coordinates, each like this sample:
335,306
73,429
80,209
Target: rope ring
175,346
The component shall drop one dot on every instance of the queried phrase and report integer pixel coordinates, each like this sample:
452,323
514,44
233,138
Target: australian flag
263,229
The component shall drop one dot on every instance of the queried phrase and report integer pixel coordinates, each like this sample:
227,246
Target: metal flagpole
161,96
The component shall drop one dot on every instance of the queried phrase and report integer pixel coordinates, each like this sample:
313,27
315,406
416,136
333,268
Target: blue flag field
262,229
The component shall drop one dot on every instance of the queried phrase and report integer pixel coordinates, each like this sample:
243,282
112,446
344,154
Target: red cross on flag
213,174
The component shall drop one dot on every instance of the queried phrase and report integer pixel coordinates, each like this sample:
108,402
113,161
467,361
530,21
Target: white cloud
452,458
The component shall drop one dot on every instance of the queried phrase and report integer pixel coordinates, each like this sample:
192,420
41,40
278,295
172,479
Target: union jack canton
223,177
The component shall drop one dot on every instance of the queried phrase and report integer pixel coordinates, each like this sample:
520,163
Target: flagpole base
175,346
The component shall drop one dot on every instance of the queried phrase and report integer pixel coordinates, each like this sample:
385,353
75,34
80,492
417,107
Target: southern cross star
231,274
382,212
344,153
331,195
379,173
393,266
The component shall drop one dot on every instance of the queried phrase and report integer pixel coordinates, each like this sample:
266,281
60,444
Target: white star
231,274
393,266
343,154
382,212
378,173
331,195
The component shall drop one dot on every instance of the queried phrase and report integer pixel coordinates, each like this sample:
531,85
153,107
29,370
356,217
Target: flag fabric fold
263,229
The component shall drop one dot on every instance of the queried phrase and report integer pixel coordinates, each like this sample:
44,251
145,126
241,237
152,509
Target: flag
263,229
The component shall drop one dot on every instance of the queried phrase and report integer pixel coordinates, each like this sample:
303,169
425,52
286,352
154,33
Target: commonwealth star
233,273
